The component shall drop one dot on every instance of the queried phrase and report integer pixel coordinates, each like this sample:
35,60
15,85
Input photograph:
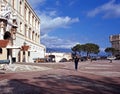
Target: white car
111,58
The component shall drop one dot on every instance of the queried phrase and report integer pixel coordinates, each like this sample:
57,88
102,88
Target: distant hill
58,50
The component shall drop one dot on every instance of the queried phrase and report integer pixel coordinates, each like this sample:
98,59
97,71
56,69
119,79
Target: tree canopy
110,50
87,48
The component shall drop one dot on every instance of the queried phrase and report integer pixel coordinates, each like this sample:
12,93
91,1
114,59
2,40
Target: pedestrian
76,60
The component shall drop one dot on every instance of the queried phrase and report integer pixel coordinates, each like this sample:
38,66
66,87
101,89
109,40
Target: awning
13,47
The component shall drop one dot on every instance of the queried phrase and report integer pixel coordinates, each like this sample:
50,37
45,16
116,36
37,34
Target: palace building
115,41
19,32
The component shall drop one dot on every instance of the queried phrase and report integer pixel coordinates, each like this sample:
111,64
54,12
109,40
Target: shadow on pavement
60,84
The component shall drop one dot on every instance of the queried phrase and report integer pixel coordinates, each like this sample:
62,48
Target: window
36,37
20,26
33,35
32,20
29,34
25,32
25,13
29,17
13,3
20,7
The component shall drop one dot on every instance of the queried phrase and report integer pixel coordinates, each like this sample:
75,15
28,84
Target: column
21,56
26,56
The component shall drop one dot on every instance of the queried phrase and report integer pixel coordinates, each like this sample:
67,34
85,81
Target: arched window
29,33
33,35
36,37
25,32
0,50
20,26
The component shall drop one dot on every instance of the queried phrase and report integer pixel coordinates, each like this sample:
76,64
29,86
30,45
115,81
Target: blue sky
64,23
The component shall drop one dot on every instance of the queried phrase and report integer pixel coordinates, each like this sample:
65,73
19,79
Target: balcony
3,43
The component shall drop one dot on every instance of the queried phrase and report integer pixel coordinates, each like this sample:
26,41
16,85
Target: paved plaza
97,77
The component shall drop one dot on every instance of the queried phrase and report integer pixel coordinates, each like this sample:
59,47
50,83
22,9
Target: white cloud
49,23
110,9
55,42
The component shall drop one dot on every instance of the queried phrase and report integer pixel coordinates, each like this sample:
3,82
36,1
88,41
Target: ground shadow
18,86
60,84
72,84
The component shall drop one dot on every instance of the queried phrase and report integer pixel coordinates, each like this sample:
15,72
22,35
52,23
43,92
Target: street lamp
25,47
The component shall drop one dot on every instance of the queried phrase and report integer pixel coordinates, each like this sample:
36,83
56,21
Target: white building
20,28
59,56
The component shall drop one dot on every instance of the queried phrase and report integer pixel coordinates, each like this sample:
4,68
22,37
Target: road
97,77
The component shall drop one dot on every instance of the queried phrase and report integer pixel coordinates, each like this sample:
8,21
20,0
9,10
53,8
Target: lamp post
25,48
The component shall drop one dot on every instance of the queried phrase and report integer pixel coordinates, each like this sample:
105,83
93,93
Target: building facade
115,41
20,28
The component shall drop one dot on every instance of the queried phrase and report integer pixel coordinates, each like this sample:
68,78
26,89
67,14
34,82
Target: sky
65,23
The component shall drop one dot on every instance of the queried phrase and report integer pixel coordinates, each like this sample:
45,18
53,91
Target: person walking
76,60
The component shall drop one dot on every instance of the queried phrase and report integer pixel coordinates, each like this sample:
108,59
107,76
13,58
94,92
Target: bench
4,61
3,64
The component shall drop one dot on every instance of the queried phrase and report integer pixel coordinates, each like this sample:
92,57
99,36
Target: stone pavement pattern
98,77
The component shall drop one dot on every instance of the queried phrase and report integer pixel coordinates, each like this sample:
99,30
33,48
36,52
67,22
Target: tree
76,48
91,48
88,48
110,50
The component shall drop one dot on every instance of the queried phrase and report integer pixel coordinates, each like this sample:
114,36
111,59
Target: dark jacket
76,59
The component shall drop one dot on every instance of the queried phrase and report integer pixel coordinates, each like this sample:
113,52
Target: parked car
117,57
63,60
83,58
39,60
93,58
